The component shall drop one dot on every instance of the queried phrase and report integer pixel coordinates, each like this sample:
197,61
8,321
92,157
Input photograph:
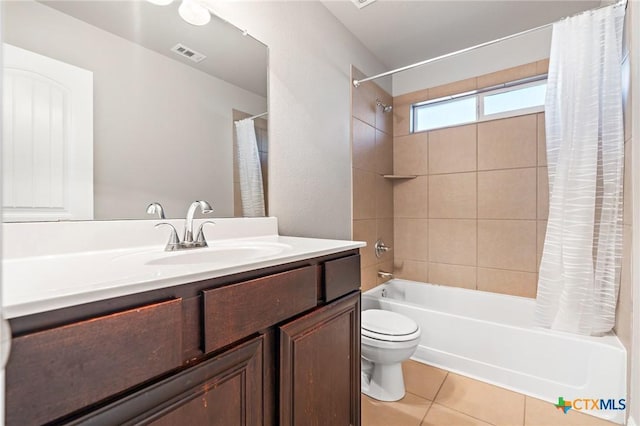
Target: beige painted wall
162,130
372,143
310,57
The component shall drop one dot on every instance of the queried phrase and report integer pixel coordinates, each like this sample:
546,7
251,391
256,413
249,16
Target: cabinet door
230,396
226,390
320,366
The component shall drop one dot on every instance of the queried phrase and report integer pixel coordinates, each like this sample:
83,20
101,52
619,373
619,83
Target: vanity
109,328
269,338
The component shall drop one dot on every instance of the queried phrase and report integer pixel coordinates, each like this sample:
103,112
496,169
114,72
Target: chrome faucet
156,208
174,242
188,241
380,247
188,224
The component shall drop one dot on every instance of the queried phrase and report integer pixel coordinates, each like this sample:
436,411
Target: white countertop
35,284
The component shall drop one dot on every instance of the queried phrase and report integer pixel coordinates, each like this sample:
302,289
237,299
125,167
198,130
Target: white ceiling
401,32
231,56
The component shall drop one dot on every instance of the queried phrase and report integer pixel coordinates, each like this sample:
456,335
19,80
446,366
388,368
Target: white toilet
388,338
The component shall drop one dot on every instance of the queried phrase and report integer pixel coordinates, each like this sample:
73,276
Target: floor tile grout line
427,413
469,415
465,414
416,395
462,412
524,411
434,397
441,385
424,399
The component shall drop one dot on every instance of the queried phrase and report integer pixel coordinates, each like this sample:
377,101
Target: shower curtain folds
579,271
249,169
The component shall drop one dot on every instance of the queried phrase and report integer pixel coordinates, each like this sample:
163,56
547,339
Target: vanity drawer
341,276
55,372
238,310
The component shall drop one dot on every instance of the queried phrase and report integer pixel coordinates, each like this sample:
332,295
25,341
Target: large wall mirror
109,106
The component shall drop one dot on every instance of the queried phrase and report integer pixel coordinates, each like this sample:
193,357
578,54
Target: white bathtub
490,337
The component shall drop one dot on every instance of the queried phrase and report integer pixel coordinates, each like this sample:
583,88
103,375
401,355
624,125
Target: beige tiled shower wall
372,193
476,213
624,314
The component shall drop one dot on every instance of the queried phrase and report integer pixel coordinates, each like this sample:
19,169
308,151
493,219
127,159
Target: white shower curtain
578,284
251,189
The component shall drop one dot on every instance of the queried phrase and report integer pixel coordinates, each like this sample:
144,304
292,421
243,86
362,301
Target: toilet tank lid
387,323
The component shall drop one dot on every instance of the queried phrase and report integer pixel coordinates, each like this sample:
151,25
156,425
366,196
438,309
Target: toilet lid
387,325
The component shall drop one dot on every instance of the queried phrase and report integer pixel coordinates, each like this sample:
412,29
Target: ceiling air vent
362,3
188,53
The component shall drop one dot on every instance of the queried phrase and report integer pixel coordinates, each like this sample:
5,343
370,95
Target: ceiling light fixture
192,11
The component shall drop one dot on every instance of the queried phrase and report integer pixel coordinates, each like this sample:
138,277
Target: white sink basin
220,252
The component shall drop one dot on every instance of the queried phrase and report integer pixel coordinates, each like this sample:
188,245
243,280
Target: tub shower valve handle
174,241
380,247
201,240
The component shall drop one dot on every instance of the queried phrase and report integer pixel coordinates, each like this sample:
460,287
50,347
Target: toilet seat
388,326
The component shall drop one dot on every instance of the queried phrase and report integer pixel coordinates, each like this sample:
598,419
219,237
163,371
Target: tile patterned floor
438,398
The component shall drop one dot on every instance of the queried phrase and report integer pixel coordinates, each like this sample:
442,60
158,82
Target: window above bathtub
510,99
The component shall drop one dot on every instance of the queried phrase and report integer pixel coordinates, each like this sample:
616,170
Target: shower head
385,108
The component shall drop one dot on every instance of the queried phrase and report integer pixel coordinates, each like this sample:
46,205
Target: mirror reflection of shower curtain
250,172
580,267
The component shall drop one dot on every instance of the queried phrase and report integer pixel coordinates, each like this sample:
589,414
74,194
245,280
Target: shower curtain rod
357,83
255,116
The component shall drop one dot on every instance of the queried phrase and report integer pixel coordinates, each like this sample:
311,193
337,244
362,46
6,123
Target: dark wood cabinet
265,347
320,366
225,398
341,276
224,390
58,371
241,309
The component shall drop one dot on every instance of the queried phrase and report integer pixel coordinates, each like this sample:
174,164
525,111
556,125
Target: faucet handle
380,247
174,241
201,240
156,208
